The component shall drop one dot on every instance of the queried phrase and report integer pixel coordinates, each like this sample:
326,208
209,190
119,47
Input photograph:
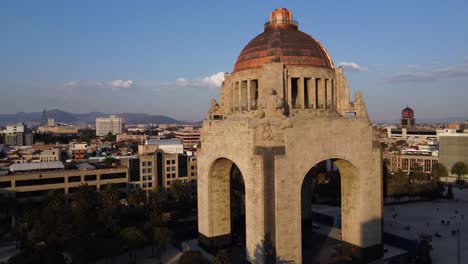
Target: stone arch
351,198
219,200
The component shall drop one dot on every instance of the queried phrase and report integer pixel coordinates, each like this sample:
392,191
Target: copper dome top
283,42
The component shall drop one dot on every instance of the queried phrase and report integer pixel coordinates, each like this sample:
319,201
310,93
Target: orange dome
283,42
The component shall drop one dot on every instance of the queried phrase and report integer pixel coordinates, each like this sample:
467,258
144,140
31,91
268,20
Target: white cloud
121,83
113,84
352,66
71,84
429,74
212,81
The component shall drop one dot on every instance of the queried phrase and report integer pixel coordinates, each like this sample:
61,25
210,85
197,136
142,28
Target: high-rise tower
44,119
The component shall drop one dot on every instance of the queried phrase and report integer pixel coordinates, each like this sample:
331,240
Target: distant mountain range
34,118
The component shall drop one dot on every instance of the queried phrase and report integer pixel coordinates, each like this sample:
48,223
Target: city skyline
162,59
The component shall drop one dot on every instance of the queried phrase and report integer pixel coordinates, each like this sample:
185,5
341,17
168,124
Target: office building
189,136
106,125
18,135
173,145
409,160
453,147
37,179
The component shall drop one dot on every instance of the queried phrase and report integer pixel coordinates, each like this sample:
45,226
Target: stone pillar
300,92
326,94
312,92
289,91
239,98
319,86
333,95
328,85
249,102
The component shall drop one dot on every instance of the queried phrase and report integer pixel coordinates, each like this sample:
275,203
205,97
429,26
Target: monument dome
282,41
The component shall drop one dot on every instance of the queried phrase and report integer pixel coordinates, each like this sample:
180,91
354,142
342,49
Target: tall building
160,169
18,135
284,110
189,136
50,122
453,147
407,117
159,163
45,119
111,124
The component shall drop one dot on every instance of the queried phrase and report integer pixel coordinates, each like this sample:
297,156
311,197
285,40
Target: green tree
438,171
158,199
109,160
110,197
163,236
423,254
133,239
418,173
192,257
87,135
449,194
460,169
181,191
137,198
84,207
110,137
55,200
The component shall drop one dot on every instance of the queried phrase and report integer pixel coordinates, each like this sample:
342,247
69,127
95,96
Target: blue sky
162,57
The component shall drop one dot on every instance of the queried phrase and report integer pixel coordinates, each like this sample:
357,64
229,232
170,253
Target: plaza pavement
412,219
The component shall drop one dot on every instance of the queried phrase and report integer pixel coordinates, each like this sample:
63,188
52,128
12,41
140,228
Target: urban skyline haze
168,58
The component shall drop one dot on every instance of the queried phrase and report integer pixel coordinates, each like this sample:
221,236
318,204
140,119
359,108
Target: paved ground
413,219
7,252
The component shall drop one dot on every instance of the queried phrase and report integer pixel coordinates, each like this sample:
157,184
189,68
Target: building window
145,185
168,169
173,161
168,162
168,183
144,178
150,170
173,168
144,163
150,163
144,171
90,178
150,184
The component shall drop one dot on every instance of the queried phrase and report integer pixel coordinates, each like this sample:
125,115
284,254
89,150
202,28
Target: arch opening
228,208
326,191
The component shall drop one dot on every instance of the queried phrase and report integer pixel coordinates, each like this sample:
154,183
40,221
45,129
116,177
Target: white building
170,146
112,124
16,128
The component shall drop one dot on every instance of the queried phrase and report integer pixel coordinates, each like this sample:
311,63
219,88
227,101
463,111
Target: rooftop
19,167
172,141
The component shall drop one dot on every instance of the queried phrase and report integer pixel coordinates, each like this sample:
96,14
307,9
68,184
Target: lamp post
458,232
